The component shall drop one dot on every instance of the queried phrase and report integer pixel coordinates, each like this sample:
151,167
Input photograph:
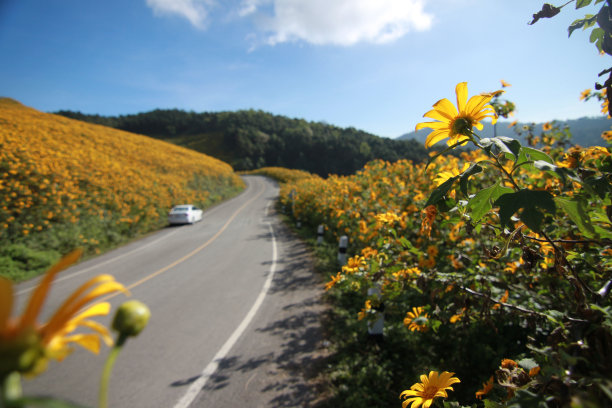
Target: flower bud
131,318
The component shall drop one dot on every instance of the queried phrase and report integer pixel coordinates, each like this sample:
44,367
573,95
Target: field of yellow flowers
67,184
493,265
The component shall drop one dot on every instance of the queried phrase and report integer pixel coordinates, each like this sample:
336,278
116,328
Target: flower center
430,392
462,126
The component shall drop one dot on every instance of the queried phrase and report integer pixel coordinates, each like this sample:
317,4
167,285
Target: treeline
250,139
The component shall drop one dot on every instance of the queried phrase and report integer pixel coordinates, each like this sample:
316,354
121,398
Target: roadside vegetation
489,269
66,184
460,288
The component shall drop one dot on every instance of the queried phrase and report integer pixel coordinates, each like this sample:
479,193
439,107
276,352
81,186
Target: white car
184,214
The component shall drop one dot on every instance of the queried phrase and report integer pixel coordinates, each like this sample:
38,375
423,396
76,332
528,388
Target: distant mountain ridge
585,131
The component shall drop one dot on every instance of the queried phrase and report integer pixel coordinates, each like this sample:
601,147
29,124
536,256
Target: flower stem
108,368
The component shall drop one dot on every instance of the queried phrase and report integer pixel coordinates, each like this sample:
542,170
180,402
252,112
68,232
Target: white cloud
340,22
196,11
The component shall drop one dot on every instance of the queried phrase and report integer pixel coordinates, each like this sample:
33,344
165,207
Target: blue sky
376,65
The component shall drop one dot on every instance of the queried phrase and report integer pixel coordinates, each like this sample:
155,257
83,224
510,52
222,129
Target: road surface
235,315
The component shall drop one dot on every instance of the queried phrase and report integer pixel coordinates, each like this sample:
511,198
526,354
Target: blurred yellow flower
585,94
504,84
456,123
388,218
546,126
29,345
486,387
333,281
432,386
416,320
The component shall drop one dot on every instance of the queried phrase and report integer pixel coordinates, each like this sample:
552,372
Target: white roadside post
320,232
375,328
342,247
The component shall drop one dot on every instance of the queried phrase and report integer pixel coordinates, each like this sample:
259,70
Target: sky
375,65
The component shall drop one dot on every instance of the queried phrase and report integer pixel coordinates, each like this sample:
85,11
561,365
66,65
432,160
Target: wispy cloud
320,22
196,11
339,22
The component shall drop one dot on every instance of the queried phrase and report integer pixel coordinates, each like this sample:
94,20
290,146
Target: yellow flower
585,94
353,264
486,387
388,218
26,345
416,320
607,136
455,318
428,389
456,123
333,281
367,306
504,84
546,126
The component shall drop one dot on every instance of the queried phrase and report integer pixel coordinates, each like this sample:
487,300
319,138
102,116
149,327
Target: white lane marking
210,369
82,271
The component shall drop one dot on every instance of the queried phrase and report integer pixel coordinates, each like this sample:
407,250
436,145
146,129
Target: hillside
252,139
585,131
66,184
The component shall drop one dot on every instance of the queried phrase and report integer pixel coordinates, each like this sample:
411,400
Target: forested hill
585,131
250,139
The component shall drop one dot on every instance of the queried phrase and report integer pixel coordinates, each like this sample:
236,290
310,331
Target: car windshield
180,209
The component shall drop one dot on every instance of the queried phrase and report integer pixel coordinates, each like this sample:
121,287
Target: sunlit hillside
66,184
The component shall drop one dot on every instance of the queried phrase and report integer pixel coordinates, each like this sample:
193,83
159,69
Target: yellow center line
189,255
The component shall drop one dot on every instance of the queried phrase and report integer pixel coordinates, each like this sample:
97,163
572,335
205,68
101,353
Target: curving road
235,315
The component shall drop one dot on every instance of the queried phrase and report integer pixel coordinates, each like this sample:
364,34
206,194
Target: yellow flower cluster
58,170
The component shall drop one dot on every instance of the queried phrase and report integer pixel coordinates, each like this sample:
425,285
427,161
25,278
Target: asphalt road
235,315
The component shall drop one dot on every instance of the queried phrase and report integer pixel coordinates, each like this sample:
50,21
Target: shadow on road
285,343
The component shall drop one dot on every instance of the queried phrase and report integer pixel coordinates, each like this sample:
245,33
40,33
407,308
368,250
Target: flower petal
436,136
445,106
89,341
462,94
38,297
106,285
436,114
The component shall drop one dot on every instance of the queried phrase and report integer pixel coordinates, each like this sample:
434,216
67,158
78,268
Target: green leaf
474,169
481,203
576,211
531,202
584,23
536,154
438,194
507,145
600,185
492,404
582,3
597,35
